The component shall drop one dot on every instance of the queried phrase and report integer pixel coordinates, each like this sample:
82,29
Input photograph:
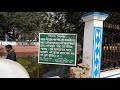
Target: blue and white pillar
92,44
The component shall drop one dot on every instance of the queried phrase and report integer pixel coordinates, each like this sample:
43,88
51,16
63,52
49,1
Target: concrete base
110,74
54,77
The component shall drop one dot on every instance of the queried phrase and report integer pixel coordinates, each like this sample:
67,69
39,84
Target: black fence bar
110,58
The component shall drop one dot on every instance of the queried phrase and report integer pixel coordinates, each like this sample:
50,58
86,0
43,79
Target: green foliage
26,22
32,23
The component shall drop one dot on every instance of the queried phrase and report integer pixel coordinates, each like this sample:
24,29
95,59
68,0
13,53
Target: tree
32,23
6,20
69,22
26,22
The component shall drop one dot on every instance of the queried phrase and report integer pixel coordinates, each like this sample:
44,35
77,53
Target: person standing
10,53
6,37
17,37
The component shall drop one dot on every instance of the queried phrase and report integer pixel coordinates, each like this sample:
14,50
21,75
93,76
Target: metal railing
110,50
110,58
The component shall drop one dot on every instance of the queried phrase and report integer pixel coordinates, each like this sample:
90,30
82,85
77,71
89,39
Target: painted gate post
92,44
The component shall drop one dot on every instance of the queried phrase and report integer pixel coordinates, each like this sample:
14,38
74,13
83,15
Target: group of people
17,37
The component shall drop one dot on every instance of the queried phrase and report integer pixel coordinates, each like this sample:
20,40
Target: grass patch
34,69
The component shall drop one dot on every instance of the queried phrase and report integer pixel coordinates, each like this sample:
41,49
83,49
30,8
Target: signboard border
58,63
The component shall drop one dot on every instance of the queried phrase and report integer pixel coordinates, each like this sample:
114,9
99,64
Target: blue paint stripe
97,13
111,75
93,68
101,31
96,31
93,57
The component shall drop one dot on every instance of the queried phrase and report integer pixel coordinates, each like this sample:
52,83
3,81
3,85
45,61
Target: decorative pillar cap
94,16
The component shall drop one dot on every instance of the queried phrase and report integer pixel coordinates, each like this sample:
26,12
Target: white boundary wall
110,74
18,43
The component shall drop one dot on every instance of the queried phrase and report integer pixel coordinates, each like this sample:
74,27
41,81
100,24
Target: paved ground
21,50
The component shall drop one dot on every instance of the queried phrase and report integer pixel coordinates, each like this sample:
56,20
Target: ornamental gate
111,49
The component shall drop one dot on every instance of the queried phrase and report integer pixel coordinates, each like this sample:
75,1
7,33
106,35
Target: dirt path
21,50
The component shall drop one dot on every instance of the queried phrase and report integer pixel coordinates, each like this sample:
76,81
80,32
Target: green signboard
57,48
